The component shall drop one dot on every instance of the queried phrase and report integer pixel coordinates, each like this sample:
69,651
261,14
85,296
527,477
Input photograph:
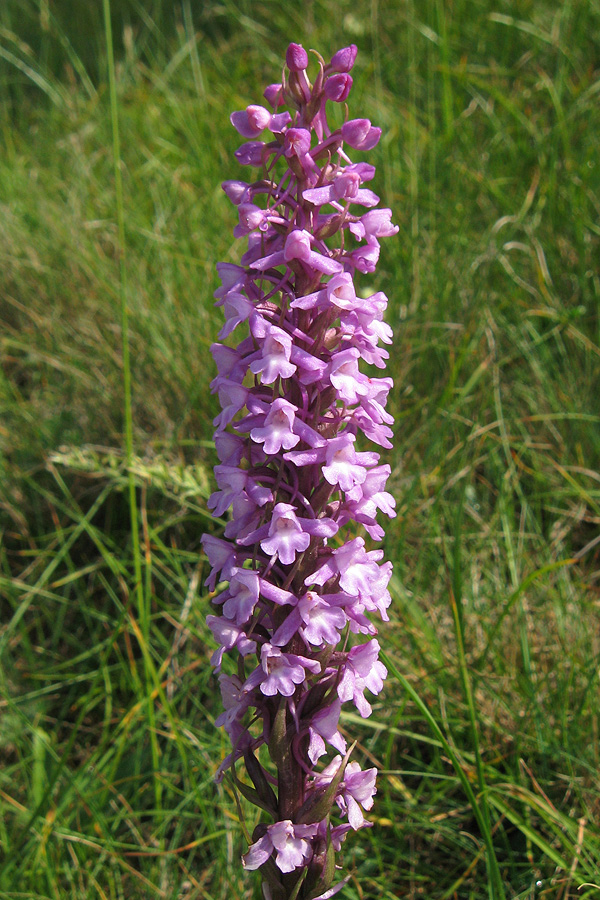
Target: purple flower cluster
293,403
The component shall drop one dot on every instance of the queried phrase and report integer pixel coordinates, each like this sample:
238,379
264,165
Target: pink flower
278,430
357,789
275,360
280,672
349,382
297,142
343,465
290,843
251,121
360,134
362,671
315,620
286,537
243,596
324,727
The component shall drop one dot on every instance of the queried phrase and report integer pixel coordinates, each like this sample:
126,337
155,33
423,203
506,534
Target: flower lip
286,536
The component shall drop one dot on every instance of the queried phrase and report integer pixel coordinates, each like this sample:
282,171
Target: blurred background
489,161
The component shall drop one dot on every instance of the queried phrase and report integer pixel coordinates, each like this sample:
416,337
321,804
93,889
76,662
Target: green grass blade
142,598
495,887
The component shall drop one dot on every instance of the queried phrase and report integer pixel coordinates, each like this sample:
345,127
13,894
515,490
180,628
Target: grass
487,736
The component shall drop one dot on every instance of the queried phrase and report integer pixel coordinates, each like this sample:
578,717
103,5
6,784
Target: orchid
293,587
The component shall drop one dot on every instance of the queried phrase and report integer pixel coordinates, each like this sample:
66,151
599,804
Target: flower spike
292,584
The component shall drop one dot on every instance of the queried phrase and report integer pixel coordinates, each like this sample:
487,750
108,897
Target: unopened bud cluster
292,481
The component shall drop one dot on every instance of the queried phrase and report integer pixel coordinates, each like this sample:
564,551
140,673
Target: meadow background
487,734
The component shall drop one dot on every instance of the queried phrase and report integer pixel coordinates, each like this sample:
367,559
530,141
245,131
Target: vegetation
487,734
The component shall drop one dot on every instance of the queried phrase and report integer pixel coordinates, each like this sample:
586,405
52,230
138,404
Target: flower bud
273,94
337,87
343,60
296,58
235,190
